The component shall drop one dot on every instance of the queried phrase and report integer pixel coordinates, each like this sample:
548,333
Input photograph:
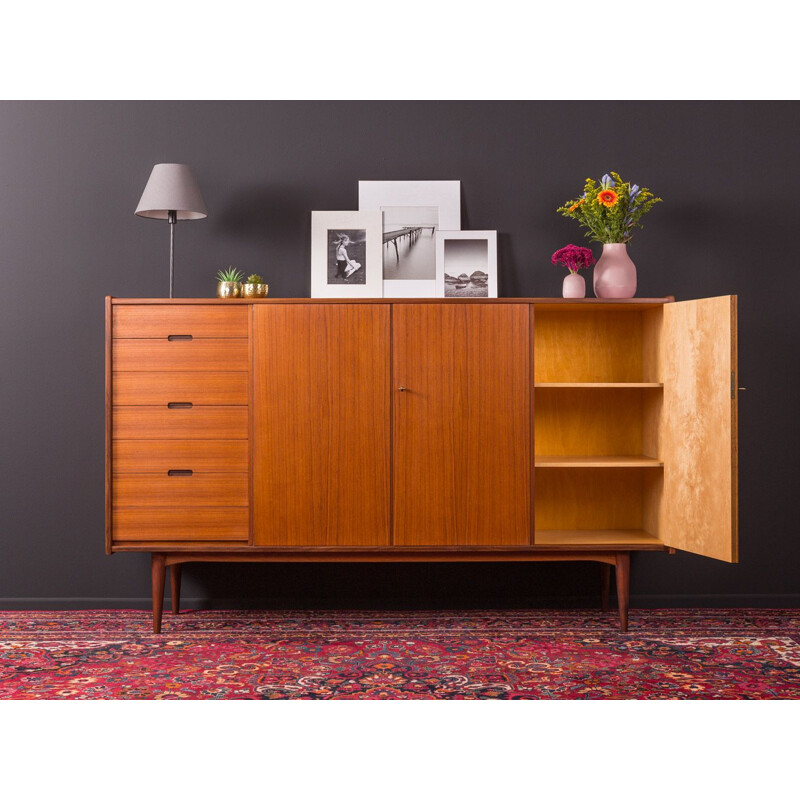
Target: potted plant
573,258
254,286
229,283
611,211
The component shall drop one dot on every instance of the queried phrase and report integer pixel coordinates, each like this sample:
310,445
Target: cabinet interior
598,404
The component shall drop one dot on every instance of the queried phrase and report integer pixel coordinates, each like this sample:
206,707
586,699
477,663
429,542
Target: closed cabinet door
461,424
321,425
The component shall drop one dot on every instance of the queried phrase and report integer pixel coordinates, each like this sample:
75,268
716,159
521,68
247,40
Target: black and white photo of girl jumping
346,256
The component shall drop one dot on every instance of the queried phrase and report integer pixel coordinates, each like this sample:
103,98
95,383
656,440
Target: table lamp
172,193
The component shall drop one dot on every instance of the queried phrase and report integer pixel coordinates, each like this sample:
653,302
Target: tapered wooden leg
605,585
623,587
175,585
159,569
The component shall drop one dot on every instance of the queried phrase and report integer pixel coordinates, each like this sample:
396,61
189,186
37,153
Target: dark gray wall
71,175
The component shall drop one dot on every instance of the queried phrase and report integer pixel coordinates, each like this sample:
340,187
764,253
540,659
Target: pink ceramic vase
574,286
614,273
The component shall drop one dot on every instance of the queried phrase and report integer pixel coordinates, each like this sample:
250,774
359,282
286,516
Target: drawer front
148,491
198,422
158,322
177,524
159,355
199,388
161,455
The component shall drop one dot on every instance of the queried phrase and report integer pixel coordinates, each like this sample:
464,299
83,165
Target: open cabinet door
697,354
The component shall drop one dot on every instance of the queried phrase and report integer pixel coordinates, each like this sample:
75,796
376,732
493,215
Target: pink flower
573,257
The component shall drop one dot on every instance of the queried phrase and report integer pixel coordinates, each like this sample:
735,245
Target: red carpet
728,654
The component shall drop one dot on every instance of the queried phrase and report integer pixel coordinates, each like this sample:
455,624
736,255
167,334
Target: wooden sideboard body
420,430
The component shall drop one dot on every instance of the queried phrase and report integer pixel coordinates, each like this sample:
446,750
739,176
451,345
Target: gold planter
228,289
255,290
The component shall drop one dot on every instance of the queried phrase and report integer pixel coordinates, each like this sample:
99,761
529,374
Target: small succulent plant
255,279
230,275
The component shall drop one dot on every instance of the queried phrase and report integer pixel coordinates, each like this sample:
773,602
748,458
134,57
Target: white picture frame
463,260
391,197
365,229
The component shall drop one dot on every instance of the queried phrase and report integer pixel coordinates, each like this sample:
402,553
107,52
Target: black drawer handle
179,405
180,337
180,473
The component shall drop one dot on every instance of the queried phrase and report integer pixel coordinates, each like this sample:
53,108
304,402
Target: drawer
199,388
158,322
158,355
198,422
160,455
175,524
149,491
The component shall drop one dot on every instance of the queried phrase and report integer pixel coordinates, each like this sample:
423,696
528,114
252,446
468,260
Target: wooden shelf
595,538
629,385
597,461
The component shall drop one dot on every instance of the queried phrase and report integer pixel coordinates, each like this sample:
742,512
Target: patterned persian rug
698,654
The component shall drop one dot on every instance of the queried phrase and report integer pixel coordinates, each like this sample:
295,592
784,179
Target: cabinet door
462,424
697,350
321,425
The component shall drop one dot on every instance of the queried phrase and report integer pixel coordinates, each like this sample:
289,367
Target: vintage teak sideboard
420,430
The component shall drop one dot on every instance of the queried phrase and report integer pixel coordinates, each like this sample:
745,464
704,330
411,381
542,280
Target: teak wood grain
461,431
181,524
199,388
109,402
198,422
321,436
697,509
192,491
161,355
199,455
158,322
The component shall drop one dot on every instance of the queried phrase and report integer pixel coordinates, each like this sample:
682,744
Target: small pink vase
574,286
614,273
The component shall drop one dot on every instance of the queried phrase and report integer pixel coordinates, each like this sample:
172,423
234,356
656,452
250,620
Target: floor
540,654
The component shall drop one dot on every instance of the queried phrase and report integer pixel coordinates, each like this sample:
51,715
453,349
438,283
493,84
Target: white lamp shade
172,187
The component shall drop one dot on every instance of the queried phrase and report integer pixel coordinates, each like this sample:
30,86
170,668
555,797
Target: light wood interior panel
222,489
580,462
462,428
321,442
587,422
180,524
587,346
200,388
161,355
589,539
697,510
198,422
199,455
589,499
200,321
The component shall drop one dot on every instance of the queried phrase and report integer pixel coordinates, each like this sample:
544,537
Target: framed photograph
413,211
346,256
466,264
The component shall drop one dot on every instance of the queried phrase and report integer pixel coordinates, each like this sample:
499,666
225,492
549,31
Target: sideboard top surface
586,303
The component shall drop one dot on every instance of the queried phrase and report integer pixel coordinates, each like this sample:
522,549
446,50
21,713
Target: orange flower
607,198
576,205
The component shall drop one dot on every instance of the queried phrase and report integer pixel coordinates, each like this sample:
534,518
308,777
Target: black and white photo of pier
409,242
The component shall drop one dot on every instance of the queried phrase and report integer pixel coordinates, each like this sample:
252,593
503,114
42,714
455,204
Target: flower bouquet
611,211
573,258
